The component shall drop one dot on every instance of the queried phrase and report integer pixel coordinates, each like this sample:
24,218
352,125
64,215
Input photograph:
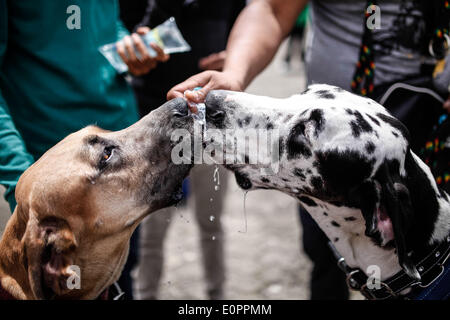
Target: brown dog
80,202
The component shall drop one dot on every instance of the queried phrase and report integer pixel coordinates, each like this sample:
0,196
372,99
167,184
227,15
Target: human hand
214,61
208,80
145,63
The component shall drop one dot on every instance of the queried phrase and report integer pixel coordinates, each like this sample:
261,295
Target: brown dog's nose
215,107
179,107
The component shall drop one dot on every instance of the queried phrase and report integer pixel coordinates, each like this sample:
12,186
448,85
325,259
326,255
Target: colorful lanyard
363,78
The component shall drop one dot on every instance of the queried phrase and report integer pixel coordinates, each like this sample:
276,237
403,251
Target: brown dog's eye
107,154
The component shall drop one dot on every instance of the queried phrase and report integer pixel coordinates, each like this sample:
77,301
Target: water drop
216,178
212,218
200,116
245,213
213,238
210,199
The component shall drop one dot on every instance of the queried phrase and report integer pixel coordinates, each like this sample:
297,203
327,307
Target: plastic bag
166,35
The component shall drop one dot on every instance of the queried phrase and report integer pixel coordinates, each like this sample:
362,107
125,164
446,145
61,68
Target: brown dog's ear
50,247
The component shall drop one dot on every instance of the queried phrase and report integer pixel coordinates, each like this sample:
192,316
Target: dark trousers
327,280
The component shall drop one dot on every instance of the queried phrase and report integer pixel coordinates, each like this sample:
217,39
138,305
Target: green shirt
53,80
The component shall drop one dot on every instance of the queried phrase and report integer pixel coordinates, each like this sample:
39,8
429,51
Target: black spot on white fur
305,91
319,121
317,183
325,94
299,173
287,118
343,170
297,144
373,119
395,124
307,201
335,224
359,125
370,147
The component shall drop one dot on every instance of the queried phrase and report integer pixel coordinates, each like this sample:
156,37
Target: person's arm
254,40
14,159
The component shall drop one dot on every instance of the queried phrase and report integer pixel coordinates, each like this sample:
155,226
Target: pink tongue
384,225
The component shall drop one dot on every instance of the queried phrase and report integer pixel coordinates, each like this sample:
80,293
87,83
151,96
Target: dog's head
249,129
82,200
342,149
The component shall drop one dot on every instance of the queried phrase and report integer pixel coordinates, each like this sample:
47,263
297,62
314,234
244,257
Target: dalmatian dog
348,161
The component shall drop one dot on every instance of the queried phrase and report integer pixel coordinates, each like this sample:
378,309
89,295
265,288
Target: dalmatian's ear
379,225
386,207
396,199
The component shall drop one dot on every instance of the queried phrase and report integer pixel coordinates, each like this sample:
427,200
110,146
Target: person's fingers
135,67
198,96
142,30
140,46
129,49
160,55
198,80
120,47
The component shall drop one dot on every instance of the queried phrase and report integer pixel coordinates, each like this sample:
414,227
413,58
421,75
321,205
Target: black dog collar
429,267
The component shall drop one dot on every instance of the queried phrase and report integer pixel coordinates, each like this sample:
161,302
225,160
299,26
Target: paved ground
266,262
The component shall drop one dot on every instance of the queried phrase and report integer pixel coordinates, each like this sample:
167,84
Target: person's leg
149,269
327,280
208,214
